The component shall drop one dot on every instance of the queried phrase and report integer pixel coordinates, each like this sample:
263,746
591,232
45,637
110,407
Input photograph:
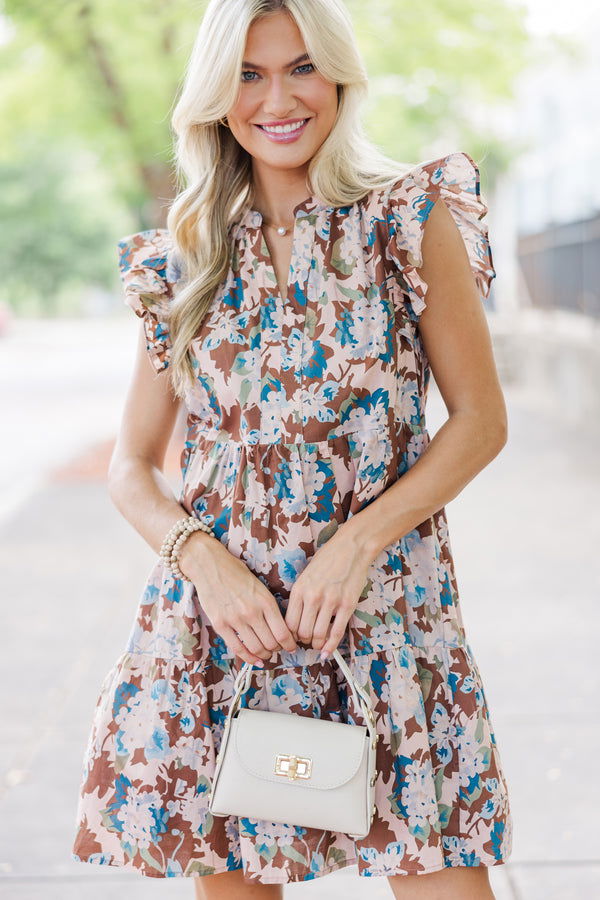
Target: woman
304,289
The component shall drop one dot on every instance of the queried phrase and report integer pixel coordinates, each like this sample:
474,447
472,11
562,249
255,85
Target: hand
235,600
329,587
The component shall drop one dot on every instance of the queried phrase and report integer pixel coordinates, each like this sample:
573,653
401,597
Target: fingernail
324,654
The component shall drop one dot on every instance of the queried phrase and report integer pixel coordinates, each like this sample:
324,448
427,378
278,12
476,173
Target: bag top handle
362,698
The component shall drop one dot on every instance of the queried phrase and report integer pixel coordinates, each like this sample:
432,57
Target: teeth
283,129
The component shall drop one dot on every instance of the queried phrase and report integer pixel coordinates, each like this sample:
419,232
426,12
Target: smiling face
280,85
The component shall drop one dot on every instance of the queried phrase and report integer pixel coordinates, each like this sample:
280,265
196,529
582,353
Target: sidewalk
525,540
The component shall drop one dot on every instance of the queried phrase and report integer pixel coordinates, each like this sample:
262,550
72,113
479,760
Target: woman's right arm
233,598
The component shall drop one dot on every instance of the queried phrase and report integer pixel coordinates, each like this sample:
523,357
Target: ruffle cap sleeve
456,179
149,271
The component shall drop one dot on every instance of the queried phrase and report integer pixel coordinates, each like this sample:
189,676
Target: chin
285,163
284,157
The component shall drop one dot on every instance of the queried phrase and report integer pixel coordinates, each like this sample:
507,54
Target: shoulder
453,174
407,206
151,249
149,270
407,201
148,262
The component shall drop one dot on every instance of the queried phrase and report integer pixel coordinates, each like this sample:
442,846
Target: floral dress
301,413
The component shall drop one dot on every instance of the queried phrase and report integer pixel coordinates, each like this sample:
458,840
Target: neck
277,192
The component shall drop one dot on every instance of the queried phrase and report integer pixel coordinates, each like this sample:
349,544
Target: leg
456,883
226,885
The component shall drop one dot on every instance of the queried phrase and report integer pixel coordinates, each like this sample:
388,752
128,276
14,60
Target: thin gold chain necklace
280,229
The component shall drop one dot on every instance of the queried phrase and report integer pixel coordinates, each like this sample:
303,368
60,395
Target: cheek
243,110
322,97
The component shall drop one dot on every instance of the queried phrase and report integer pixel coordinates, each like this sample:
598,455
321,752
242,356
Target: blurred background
86,91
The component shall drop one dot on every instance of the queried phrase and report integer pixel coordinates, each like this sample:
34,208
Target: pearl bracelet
174,531
175,539
194,525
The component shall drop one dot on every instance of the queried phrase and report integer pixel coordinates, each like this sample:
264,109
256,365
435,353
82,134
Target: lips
298,123
285,137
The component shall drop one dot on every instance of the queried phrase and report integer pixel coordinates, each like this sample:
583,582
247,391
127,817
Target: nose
279,99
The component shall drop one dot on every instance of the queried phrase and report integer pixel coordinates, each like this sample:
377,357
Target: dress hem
364,873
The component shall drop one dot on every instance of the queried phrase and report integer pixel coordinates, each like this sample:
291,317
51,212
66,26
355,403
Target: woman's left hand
329,587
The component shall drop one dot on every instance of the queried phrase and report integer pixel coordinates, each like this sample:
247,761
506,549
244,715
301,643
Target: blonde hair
218,170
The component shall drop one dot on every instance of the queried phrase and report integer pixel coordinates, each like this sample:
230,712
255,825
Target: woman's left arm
458,345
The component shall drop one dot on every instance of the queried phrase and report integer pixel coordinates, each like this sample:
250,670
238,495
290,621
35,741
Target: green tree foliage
435,67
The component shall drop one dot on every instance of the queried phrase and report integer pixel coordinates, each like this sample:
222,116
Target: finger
266,636
279,628
307,622
236,645
338,628
292,615
251,640
322,626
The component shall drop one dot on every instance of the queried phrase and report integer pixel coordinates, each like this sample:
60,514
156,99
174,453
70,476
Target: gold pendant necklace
281,229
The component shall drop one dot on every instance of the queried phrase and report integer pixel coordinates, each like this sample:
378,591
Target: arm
458,345
234,599
136,482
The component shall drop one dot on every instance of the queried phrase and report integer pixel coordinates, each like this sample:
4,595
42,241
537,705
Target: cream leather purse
287,768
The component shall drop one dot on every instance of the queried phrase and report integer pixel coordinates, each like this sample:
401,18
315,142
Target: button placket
294,322
283,323
271,389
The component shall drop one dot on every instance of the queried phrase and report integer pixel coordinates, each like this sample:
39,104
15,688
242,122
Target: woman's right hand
235,600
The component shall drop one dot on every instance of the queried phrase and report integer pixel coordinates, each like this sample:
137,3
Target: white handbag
287,768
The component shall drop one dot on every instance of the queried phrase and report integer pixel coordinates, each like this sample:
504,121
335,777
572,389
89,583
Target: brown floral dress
302,412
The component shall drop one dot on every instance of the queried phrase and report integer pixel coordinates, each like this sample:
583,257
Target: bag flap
335,749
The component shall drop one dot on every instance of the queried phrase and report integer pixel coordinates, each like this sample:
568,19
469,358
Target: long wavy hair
217,171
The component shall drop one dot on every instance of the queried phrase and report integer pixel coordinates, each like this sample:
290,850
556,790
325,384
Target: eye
305,66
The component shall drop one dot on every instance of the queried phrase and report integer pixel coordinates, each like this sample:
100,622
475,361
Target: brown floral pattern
303,412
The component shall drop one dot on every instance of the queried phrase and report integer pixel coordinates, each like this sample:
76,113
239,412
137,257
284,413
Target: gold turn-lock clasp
293,766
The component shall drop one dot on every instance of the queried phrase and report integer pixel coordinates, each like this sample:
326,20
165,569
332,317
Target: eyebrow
294,62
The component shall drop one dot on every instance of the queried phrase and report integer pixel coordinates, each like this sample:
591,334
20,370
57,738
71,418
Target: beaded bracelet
170,537
175,539
194,525
186,527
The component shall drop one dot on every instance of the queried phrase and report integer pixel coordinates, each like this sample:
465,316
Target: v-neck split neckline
252,221
267,257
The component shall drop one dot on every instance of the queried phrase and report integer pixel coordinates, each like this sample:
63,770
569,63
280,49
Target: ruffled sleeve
149,271
408,204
